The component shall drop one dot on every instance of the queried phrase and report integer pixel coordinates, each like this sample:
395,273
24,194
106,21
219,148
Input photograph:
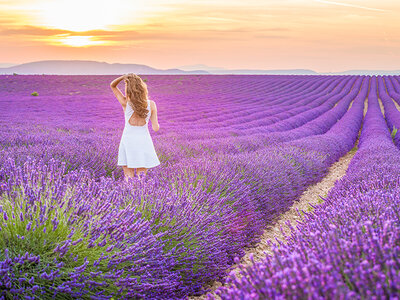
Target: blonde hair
137,94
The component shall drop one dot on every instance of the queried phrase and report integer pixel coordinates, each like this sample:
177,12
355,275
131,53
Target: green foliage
310,208
354,149
174,236
320,200
15,74
42,237
394,132
35,94
109,169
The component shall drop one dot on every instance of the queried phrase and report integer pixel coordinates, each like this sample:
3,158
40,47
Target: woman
136,149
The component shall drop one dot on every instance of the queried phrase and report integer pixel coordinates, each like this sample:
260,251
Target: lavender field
236,152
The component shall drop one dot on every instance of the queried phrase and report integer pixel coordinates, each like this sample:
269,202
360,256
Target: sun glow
79,41
78,15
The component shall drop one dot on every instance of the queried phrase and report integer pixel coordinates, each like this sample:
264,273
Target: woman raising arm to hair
136,150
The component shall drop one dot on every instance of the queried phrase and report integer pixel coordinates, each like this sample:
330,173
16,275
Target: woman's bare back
134,120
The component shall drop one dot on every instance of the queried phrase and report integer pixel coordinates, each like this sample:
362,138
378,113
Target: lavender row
348,247
325,121
285,107
316,127
305,115
392,115
394,82
288,119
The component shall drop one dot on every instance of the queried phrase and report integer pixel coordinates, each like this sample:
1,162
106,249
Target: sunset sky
325,36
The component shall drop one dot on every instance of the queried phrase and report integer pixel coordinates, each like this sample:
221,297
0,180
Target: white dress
136,149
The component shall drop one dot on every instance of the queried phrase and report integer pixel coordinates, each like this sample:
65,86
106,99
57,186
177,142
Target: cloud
350,5
31,30
124,35
43,31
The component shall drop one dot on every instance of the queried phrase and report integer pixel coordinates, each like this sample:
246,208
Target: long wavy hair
137,94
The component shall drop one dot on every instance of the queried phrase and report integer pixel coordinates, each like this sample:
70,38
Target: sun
79,41
79,16
83,18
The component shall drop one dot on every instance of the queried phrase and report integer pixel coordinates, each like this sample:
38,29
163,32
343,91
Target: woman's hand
115,82
124,77
127,75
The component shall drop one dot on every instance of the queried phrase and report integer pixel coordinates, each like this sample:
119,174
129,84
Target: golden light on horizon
79,41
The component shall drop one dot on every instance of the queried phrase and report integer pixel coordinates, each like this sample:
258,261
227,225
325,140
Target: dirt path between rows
310,196
395,103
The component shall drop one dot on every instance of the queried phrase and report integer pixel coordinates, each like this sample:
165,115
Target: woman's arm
153,116
121,98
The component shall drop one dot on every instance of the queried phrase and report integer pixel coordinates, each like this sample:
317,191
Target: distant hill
364,72
200,67
267,72
6,65
88,67
217,70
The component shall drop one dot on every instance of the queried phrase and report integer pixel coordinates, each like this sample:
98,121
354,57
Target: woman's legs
141,172
128,172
